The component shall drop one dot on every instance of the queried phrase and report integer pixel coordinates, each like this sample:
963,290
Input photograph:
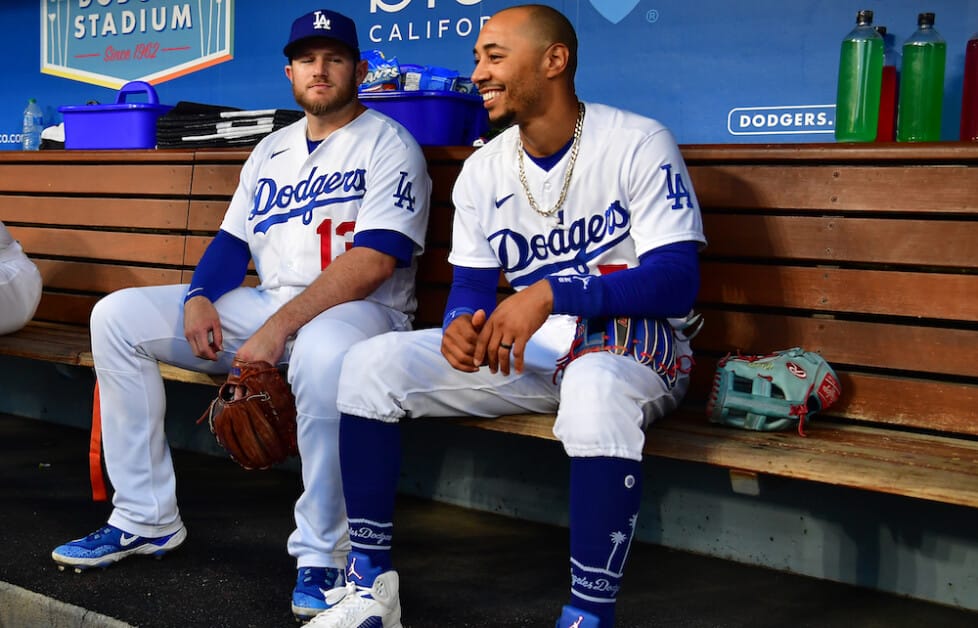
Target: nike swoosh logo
277,153
126,541
500,201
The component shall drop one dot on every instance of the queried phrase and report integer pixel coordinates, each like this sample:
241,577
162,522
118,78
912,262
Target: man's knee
375,372
600,414
112,308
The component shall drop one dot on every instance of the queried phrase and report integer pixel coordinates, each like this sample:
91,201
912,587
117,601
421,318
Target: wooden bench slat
53,343
59,158
95,277
169,372
215,179
923,295
206,215
922,466
134,213
838,239
194,247
151,179
234,156
927,467
835,153
150,248
831,187
177,374
65,308
867,344
931,405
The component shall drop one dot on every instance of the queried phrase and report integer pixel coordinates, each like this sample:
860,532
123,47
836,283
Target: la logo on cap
325,24
321,21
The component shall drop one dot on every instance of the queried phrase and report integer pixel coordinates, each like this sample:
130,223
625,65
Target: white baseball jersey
299,211
630,192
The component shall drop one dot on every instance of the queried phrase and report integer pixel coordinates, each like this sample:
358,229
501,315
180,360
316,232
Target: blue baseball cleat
572,617
311,585
109,545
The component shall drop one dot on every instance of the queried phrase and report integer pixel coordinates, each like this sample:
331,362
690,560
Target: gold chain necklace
567,176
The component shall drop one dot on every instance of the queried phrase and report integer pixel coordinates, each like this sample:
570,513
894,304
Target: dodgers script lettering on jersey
299,200
571,246
629,193
299,211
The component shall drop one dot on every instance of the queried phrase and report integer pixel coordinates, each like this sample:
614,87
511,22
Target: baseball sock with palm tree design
605,495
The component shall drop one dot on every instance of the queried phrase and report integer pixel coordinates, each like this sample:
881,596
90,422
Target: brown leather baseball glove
253,416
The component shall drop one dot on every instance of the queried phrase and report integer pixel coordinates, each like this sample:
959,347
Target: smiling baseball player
333,211
589,213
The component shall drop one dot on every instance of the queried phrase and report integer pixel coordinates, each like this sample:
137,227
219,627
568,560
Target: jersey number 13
326,234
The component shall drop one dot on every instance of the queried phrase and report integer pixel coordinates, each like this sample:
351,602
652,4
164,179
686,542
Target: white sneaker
355,606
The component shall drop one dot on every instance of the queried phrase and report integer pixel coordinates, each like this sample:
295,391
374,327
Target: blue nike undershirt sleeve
393,243
221,268
473,289
664,284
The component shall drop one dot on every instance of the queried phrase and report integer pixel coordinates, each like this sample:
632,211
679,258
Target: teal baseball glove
772,392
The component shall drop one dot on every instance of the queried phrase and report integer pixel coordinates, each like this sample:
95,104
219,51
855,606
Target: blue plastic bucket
116,126
439,118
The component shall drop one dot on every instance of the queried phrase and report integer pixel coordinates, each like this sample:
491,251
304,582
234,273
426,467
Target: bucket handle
137,87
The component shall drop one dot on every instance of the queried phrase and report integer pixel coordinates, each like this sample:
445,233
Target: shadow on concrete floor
458,567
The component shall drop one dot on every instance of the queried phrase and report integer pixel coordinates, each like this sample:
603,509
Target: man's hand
352,276
459,340
265,345
202,328
503,338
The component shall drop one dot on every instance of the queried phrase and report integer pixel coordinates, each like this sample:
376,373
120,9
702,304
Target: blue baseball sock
370,460
605,495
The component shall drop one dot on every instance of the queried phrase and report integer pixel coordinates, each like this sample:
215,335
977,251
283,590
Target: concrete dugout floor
459,568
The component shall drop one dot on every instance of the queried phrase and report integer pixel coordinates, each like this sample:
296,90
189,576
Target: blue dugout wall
714,71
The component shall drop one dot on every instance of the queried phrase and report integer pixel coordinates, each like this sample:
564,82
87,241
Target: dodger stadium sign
112,42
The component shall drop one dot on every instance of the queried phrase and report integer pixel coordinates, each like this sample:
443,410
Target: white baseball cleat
353,606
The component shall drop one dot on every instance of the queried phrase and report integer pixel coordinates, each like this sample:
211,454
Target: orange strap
95,451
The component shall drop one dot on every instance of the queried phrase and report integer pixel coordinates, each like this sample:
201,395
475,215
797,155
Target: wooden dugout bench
867,254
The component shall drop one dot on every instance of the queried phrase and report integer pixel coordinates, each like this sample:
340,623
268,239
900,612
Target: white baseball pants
604,402
135,327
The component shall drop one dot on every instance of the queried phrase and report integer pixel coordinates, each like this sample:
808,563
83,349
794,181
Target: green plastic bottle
922,84
857,103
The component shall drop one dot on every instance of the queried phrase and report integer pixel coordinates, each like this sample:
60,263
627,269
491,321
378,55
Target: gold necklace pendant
575,146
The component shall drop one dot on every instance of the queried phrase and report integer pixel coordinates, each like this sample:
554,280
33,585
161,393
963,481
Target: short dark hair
556,29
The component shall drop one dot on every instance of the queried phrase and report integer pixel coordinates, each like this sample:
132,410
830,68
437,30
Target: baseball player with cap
20,284
587,210
332,210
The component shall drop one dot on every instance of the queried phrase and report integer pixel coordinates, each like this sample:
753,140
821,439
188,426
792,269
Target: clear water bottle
969,95
922,84
30,138
888,88
857,104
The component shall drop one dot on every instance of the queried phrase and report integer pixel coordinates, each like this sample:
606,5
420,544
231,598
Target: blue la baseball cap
326,24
